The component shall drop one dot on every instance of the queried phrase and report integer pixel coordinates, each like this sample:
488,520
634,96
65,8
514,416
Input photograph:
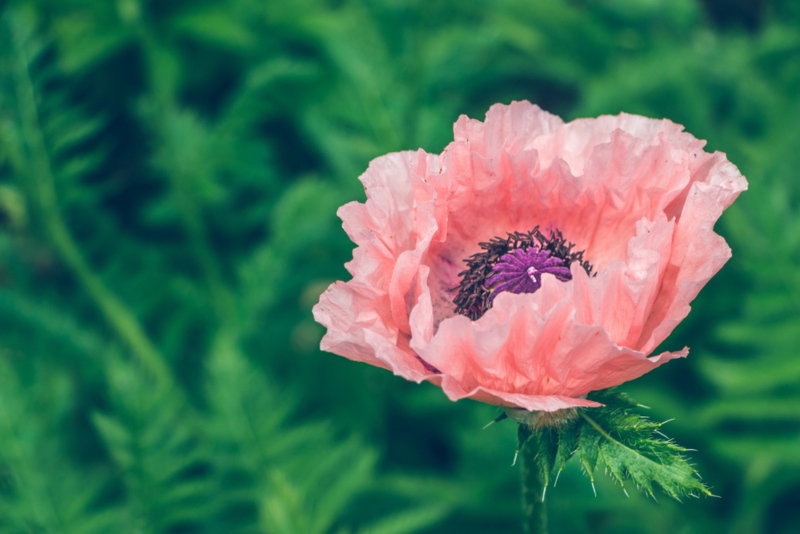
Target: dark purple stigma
515,263
520,271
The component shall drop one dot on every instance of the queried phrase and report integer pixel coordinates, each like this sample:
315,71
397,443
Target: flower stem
534,511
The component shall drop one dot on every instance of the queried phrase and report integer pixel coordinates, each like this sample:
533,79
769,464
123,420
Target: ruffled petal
697,252
527,345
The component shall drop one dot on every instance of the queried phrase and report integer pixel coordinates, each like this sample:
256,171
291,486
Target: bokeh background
169,177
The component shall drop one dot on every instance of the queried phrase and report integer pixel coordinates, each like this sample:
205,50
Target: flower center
516,264
520,271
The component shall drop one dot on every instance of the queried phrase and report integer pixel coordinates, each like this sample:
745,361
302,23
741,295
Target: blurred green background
169,177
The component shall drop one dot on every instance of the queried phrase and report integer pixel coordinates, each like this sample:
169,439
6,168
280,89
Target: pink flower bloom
539,324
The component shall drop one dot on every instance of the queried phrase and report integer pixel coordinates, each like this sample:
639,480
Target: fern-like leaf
153,437
44,491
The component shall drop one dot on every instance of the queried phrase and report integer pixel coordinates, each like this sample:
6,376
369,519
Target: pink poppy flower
533,261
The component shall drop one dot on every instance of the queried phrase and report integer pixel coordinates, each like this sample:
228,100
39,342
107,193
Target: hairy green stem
41,185
534,511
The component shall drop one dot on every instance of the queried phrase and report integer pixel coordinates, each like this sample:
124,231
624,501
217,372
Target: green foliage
169,177
32,499
153,440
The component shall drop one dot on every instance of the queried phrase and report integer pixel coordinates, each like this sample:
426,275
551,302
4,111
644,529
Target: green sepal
631,446
567,445
628,446
588,450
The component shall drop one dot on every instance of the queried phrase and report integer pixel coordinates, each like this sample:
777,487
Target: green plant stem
183,190
41,185
534,511
221,298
